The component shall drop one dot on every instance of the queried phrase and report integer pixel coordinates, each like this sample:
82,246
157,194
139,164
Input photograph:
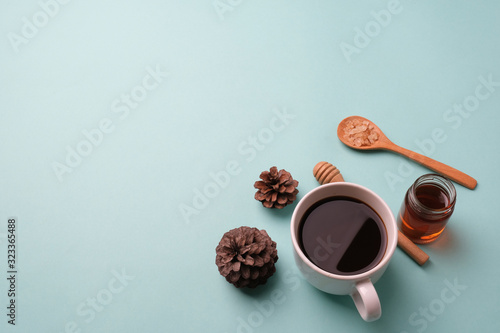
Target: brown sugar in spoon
360,133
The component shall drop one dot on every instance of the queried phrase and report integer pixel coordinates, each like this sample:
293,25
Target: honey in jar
426,209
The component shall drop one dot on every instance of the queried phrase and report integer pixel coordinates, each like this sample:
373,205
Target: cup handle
366,299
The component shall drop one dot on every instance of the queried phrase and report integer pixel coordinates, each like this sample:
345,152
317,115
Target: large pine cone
276,189
246,257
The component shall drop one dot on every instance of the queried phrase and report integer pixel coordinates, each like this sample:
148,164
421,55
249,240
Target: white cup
359,286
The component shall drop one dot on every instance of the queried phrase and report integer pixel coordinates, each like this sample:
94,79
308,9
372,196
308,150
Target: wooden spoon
373,138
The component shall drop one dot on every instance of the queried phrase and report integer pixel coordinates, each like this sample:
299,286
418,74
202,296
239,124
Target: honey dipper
325,173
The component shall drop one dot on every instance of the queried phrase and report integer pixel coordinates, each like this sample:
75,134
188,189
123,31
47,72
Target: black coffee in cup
342,235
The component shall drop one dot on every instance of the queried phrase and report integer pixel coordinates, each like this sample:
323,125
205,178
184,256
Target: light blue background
119,210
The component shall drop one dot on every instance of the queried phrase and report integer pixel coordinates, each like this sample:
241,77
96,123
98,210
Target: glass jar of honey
426,209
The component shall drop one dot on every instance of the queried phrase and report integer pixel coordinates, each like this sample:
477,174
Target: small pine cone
246,257
276,189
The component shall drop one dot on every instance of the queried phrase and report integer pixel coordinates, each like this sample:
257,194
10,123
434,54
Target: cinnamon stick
411,249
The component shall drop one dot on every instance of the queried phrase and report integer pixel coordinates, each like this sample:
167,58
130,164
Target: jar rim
437,180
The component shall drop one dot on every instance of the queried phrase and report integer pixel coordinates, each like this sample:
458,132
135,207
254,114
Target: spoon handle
441,168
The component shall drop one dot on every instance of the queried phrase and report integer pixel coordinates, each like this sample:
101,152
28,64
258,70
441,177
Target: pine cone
276,189
246,257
